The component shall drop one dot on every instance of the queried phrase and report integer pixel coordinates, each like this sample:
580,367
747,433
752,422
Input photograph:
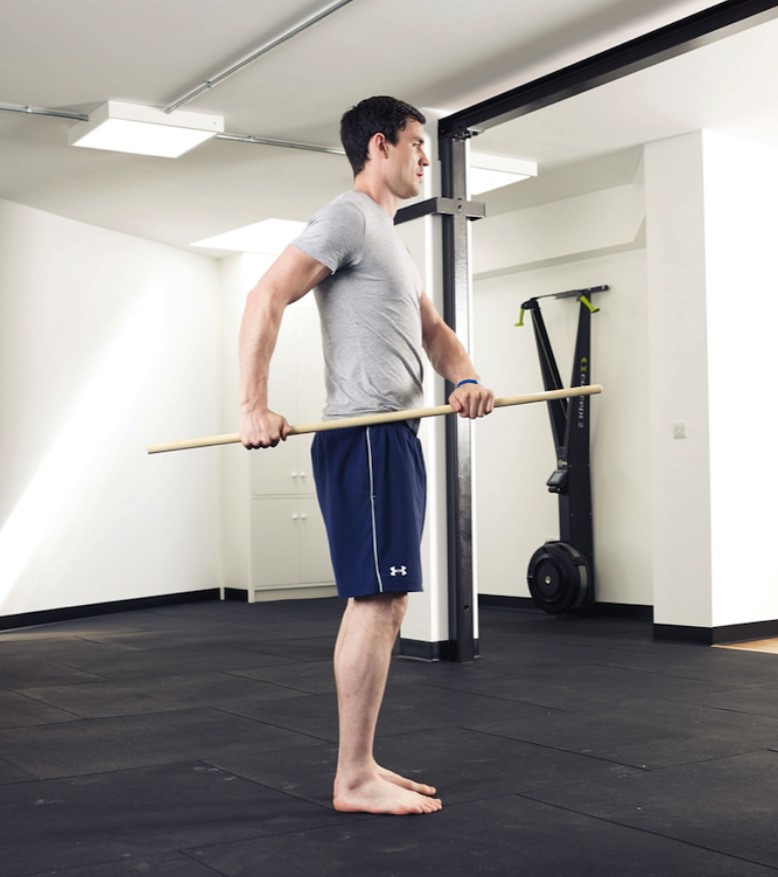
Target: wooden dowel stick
375,419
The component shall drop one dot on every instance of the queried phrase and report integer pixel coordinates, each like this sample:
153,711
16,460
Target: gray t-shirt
368,307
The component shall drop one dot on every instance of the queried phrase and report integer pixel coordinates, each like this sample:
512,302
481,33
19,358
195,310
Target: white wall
107,344
514,447
713,309
685,336
567,229
239,274
741,190
567,244
680,497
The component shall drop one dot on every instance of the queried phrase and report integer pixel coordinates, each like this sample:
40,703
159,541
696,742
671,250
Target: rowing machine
560,574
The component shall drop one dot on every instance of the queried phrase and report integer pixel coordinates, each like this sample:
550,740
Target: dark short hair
374,115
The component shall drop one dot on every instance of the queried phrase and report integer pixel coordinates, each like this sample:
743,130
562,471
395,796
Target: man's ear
377,146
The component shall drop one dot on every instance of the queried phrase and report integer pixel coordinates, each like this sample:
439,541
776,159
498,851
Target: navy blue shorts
372,487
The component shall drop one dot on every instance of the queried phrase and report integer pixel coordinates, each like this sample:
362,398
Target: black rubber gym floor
200,740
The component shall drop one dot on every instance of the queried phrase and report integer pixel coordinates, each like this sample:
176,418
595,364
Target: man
370,481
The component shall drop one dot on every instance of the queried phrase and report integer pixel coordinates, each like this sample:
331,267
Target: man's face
407,160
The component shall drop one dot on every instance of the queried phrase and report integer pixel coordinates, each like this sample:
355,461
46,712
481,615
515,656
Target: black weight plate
558,577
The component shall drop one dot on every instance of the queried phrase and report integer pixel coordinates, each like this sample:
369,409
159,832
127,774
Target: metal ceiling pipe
28,110
286,144
41,111
293,31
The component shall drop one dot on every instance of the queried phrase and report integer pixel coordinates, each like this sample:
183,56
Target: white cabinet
289,543
283,470
289,549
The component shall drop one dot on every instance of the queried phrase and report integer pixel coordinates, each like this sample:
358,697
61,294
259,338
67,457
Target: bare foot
377,794
404,782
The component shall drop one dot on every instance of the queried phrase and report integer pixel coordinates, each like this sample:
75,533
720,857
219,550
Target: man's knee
388,604
400,606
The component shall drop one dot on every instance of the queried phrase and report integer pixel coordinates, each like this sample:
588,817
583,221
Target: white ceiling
442,55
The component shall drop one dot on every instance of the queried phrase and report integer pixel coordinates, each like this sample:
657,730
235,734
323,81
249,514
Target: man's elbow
266,297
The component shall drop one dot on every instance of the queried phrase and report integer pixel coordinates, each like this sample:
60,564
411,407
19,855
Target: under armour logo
398,570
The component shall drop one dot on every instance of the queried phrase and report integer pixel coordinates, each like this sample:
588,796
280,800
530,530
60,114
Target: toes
405,783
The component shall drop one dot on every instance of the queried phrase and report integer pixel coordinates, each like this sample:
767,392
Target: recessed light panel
268,237
122,127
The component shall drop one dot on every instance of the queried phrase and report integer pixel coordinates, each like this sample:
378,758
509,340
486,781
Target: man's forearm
256,342
449,357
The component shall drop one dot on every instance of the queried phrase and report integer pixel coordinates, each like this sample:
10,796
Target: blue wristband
466,381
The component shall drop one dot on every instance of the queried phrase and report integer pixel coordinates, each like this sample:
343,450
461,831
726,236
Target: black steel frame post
456,312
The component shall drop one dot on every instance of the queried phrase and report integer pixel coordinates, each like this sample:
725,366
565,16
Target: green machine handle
585,301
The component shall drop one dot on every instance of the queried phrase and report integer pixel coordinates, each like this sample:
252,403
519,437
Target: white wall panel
106,346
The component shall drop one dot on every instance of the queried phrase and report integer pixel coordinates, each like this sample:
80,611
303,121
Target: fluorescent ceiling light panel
487,172
268,237
122,127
